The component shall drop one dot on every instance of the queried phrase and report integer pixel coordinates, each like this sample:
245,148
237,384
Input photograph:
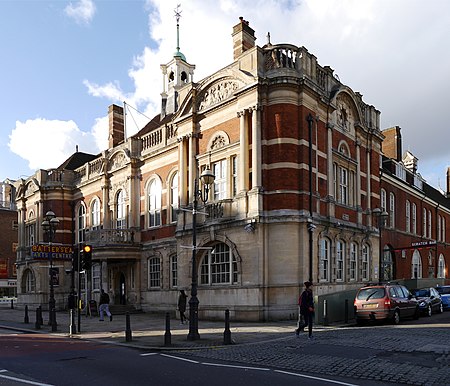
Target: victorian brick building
296,158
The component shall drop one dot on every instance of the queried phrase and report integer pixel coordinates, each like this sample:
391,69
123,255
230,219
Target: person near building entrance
104,306
306,308
182,300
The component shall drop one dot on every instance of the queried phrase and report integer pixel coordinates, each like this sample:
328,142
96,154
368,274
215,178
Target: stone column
105,204
192,165
256,148
243,152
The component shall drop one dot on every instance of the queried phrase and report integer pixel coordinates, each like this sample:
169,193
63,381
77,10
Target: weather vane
177,13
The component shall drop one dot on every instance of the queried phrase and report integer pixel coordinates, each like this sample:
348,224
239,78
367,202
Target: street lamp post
381,216
207,178
49,225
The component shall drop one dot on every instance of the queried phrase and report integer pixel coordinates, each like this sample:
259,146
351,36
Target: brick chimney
243,38
392,143
116,126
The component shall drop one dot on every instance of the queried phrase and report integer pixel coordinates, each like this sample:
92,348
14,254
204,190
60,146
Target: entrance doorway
122,289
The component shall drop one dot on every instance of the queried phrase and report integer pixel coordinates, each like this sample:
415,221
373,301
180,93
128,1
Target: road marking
22,380
148,354
235,367
316,378
181,359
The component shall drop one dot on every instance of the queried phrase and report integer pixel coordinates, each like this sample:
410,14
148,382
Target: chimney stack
392,143
243,38
116,126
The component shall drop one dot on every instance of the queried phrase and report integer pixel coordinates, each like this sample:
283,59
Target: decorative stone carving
117,162
346,114
217,93
218,142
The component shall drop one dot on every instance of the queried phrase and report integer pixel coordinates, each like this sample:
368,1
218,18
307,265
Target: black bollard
37,325
227,332
41,319
26,320
53,320
346,311
167,335
12,304
128,336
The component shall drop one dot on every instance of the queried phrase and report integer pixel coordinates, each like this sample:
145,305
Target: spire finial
177,11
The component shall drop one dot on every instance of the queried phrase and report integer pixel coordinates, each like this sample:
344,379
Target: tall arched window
392,210
340,258
408,216
174,198
154,203
219,266
441,267
324,260
353,269
416,265
121,222
429,224
424,223
28,282
414,218
95,214
81,223
365,262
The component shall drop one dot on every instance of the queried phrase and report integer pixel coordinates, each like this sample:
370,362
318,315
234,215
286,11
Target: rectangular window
234,175
174,270
424,223
324,260
408,216
429,224
353,260
154,272
392,210
30,232
414,219
340,256
96,270
220,181
343,185
220,265
365,263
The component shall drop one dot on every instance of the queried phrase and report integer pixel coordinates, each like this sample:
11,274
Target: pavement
148,330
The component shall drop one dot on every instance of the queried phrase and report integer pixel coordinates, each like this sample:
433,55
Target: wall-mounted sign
423,244
60,252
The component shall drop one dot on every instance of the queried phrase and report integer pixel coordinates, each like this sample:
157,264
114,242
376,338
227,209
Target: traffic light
86,257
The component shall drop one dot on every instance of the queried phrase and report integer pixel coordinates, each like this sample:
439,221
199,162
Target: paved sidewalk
148,330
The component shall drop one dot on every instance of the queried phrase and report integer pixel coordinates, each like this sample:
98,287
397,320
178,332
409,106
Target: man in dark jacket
306,305
104,305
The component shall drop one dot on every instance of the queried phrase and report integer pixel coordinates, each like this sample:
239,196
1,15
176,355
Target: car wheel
429,310
396,317
416,313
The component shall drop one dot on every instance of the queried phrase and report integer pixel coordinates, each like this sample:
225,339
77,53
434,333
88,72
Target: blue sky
64,62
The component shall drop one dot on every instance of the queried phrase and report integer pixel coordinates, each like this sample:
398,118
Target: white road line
235,367
22,380
181,359
317,378
148,354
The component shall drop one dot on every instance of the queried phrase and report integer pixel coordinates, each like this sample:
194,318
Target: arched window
81,223
365,262
154,203
174,270
340,258
95,214
441,267
121,222
28,282
324,261
392,210
174,197
416,266
219,266
154,272
353,269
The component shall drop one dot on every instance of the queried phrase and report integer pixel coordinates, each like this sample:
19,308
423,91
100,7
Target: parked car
429,300
444,291
385,302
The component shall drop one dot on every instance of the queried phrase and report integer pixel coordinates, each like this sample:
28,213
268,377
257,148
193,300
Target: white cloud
47,143
82,12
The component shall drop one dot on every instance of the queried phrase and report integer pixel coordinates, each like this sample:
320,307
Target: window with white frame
220,181
343,185
408,216
154,203
30,230
81,223
383,200
353,261
340,257
174,271
96,277
392,210
443,230
234,175
365,262
424,223
441,267
219,266
154,272
174,197
324,260
121,222
416,266
439,223
95,214
28,281
429,224
414,219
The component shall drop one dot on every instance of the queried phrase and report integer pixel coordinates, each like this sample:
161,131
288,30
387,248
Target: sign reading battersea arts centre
60,252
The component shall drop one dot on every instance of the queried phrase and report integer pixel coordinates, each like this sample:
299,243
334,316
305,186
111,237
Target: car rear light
387,302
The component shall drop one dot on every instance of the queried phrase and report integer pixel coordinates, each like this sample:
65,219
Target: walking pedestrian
182,300
104,305
306,306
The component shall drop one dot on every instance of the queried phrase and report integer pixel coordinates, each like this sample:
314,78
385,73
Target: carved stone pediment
217,92
346,114
118,161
